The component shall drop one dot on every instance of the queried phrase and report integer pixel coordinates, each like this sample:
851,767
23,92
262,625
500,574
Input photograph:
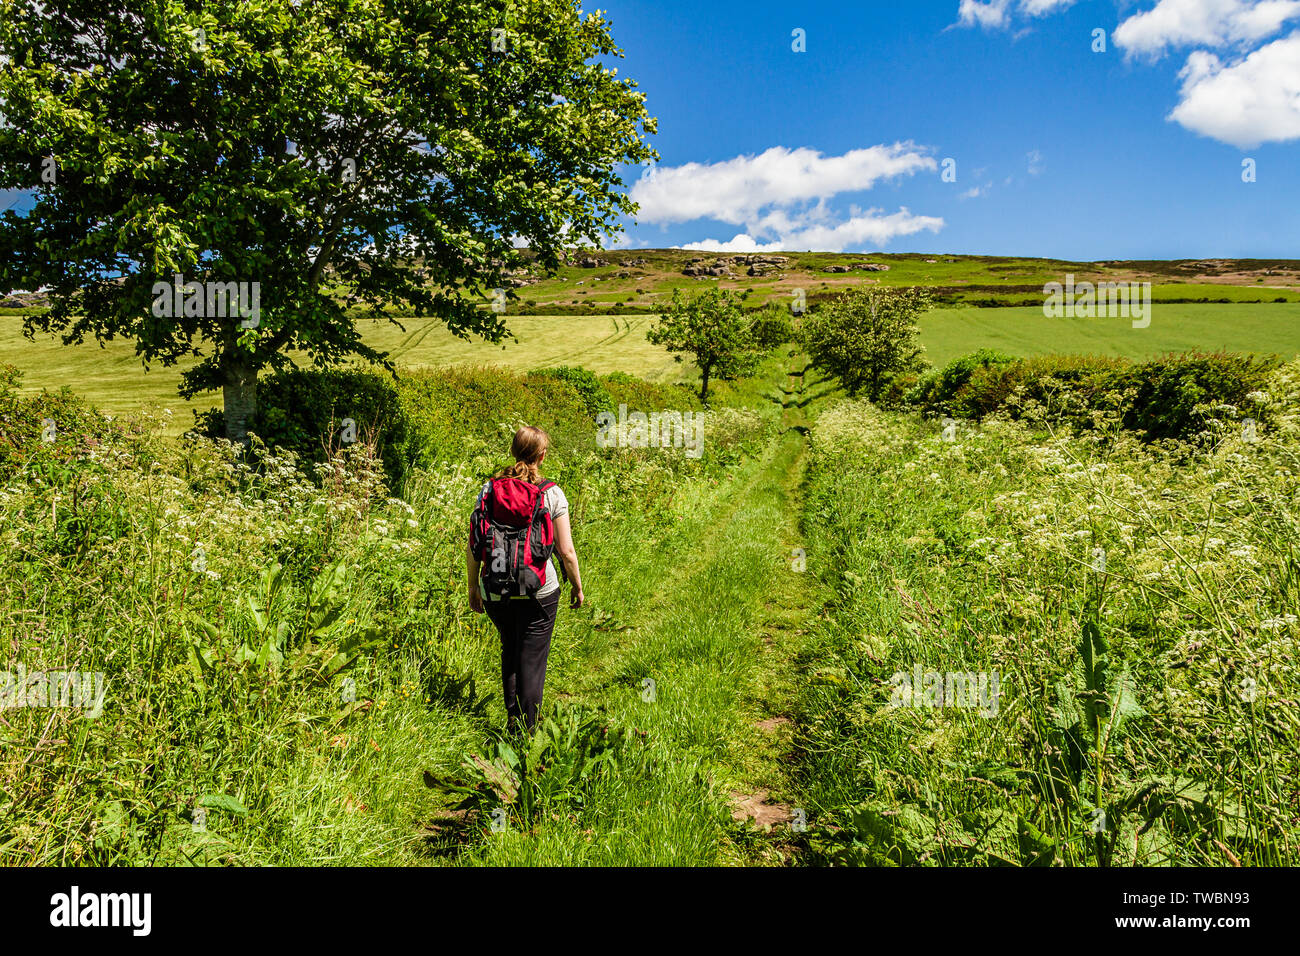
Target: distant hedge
1158,398
431,414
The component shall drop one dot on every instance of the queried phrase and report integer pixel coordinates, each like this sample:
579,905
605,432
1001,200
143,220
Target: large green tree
383,154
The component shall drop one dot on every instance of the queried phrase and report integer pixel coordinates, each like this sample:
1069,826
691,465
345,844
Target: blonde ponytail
528,446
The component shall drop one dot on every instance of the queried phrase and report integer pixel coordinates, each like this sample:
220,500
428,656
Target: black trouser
525,625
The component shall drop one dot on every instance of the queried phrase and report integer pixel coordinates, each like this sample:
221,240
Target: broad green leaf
222,801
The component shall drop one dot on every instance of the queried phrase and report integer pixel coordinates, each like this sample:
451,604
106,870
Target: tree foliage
712,329
772,327
866,336
372,154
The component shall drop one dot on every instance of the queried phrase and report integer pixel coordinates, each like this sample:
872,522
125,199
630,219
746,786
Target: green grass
949,333
977,555
970,555
692,629
292,772
599,343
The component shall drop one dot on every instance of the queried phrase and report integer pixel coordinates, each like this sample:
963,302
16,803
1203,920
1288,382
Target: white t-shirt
557,505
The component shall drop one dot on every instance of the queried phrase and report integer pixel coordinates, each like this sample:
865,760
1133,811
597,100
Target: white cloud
972,13
1034,159
1244,103
1169,23
862,228
741,243
736,190
1041,8
1173,23
781,198
997,13
1247,99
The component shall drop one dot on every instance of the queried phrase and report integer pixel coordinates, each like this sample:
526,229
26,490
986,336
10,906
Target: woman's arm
564,546
471,571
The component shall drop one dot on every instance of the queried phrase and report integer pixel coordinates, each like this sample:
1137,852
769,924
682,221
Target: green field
948,333
600,343
112,376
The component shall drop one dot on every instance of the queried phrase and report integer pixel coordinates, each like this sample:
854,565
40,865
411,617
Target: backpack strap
546,486
540,503
542,489
479,520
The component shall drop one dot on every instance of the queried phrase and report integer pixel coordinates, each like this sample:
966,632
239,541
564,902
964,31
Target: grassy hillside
641,279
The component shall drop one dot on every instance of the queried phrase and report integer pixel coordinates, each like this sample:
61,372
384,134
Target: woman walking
517,523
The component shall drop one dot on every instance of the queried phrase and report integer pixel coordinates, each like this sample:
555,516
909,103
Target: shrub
302,410
640,395
935,389
23,423
772,327
584,381
897,390
1051,380
460,413
1173,396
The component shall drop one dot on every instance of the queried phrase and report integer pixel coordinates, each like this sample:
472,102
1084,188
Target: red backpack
511,535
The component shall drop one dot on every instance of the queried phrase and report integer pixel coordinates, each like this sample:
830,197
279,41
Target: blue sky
1135,152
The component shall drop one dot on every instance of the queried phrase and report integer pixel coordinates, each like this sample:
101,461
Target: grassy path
701,660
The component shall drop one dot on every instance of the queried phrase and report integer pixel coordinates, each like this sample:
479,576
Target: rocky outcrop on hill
859,267
24,300
722,267
699,268
761,265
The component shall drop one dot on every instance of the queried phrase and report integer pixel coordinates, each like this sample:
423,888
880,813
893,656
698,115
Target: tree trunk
704,385
239,395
